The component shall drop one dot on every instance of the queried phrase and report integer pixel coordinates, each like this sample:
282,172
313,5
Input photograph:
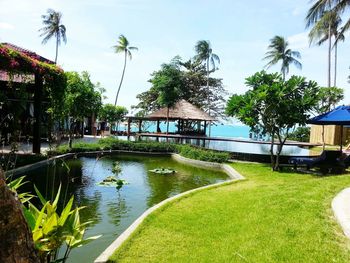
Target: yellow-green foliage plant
53,230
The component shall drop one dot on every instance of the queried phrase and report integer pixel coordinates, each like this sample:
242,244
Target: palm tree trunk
56,50
329,55
167,120
335,63
209,125
121,81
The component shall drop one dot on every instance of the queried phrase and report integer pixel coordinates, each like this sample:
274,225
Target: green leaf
66,212
30,218
54,204
42,199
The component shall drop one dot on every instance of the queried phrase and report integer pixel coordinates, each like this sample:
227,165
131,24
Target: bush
202,154
301,134
146,146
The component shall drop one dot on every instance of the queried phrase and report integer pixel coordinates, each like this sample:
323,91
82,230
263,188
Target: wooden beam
38,93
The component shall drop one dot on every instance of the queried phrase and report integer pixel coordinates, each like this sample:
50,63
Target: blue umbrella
339,116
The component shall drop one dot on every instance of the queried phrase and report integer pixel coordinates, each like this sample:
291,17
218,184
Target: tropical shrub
203,155
53,230
147,146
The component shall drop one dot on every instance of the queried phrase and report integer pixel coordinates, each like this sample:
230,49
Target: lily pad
163,170
112,181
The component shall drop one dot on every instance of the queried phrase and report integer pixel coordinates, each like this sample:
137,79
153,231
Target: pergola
20,67
183,113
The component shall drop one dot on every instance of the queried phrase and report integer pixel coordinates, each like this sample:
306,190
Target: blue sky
238,30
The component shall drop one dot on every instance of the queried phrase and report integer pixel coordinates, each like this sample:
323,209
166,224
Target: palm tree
53,27
205,54
324,29
319,8
279,51
123,46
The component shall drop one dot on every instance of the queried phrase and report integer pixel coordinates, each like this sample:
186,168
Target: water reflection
112,210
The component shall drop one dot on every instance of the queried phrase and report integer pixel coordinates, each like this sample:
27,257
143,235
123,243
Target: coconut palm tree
53,28
278,51
205,54
319,8
123,46
325,29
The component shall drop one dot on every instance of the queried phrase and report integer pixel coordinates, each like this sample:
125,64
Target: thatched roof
182,110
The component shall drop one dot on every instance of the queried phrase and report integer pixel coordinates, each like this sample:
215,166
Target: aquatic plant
163,170
116,168
113,181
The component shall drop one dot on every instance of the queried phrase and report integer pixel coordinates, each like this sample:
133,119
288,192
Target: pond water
112,210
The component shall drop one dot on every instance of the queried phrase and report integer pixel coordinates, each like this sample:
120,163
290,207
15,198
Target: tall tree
325,29
82,99
205,54
319,8
279,50
274,106
53,27
193,89
123,46
168,83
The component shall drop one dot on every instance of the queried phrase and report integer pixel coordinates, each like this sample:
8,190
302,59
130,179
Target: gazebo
24,71
190,119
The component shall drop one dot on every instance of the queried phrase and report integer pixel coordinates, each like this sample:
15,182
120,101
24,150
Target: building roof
27,52
182,110
22,78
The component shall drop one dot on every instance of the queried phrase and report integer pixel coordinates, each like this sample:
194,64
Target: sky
239,32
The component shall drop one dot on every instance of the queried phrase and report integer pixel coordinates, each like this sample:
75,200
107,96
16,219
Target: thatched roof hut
182,110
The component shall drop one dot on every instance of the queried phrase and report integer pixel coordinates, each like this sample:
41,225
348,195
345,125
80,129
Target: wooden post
205,127
140,123
38,92
341,137
128,133
158,126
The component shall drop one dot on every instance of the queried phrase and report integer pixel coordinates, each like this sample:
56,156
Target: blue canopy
339,116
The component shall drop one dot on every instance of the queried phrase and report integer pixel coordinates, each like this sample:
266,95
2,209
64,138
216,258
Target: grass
270,217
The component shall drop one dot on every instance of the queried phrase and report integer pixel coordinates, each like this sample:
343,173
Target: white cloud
299,41
6,26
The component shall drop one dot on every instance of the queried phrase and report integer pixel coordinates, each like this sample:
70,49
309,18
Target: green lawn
270,217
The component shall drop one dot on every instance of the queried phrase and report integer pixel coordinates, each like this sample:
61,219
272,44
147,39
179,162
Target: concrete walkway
26,147
341,210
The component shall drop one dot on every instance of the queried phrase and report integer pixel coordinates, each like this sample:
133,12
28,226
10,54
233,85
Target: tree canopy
279,51
191,86
82,97
274,106
329,97
112,113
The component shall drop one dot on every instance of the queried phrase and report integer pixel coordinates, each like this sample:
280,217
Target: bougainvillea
18,62
54,79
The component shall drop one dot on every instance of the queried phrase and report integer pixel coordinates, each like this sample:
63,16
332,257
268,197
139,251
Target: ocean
218,130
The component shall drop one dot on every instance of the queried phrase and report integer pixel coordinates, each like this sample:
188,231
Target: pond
114,210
